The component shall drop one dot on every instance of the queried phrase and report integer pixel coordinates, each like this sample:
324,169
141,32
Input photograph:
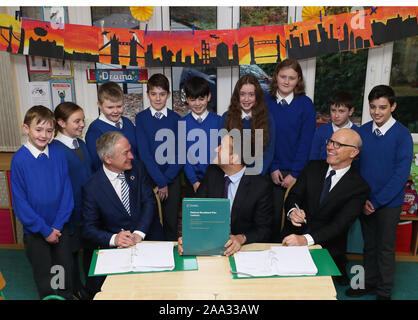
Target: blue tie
227,183
199,120
75,144
247,118
283,103
378,132
327,185
118,125
124,192
42,156
158,115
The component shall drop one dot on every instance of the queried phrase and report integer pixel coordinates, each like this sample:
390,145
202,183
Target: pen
130,237
297,207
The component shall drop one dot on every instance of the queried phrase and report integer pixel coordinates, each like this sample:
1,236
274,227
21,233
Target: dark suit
104,214
328,222
252,210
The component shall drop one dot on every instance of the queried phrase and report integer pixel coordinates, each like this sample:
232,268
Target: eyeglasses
338,145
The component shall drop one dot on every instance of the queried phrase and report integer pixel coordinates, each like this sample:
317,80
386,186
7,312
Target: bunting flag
251,45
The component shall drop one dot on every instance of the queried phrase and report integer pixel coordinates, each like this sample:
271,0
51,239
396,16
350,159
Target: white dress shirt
203,116
117,185
348,126
35,151
67,141
243,114
103,118
163,111
383,129
233,186
288,99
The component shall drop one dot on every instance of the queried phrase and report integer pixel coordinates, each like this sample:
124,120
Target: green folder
182,263
321,257
205,226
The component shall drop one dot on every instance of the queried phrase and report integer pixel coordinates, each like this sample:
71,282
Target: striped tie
158,115
124,192
199,120
378,132
75,144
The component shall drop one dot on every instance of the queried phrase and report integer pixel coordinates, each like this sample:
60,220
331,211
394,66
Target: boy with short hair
43,202
341,109
165,174
197,97
385,163
110,103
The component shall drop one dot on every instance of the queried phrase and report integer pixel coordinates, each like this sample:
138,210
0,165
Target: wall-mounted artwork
251,45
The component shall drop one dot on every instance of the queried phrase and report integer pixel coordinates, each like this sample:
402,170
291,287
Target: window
184,18
340,71
404,81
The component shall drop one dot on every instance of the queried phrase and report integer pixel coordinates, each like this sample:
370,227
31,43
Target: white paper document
280,261
141,258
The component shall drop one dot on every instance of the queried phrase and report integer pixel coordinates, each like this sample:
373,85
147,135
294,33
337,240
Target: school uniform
295,122
385,163
153,128
43,199
80,170
198,160
102,125
268,151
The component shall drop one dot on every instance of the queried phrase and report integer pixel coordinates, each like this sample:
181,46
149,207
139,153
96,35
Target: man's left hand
234,244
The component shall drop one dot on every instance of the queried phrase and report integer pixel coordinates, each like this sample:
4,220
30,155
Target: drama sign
117,75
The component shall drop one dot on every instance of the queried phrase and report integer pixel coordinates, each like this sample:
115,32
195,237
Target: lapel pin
132,178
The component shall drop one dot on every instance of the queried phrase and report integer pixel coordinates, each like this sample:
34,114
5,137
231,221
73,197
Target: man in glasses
326,199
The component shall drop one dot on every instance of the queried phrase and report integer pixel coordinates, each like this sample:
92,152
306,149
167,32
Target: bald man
326,199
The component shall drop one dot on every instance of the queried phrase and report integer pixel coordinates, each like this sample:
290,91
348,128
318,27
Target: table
213,281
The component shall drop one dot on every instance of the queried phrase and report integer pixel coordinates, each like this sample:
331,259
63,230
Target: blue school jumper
295,126
193,169
147,127
41,189
99,127
319,146
385,163
268,151
79,173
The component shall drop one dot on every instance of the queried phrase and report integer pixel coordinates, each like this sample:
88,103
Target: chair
283,212
160,211
53,297
2,285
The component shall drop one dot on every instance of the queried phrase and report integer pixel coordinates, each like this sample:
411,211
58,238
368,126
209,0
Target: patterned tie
247,118
75,144
327,185
124,192
227,183
42,156
118,125
283,103
158,115
377,132
199,120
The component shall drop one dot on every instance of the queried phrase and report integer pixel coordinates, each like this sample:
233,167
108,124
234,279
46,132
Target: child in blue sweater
159,155
294,117
70,125
341,109
197,97
248,110
385,163
110,96
43,203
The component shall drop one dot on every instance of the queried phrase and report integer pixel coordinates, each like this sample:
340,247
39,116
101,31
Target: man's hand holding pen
297,216
125,239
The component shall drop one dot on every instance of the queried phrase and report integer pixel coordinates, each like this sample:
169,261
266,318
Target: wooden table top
213,281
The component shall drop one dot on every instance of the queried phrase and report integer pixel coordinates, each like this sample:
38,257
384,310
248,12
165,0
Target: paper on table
292,261
153,257
143,257
281,261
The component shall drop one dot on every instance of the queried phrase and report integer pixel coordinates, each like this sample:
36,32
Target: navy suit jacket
105,215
